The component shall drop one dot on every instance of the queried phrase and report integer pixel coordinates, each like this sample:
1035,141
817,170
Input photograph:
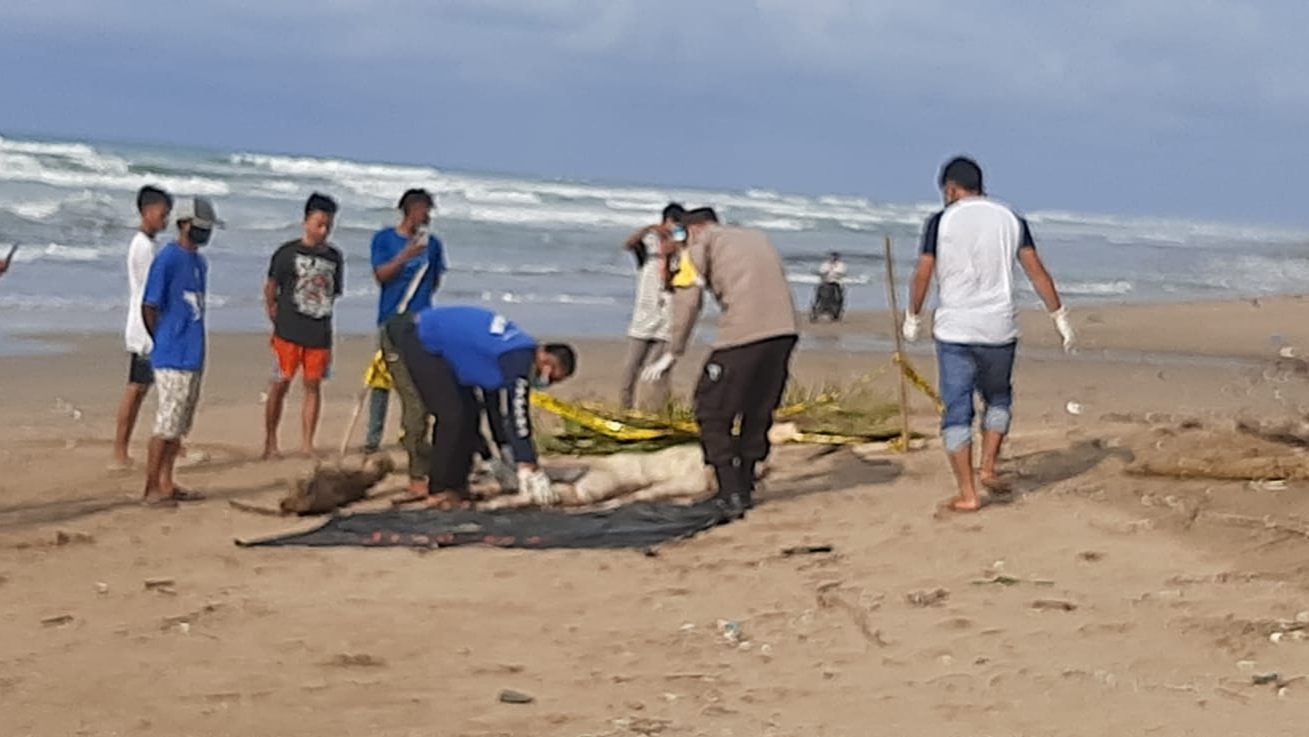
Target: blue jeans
968,370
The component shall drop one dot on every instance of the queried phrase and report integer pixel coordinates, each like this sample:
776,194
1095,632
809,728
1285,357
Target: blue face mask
678,234
540,382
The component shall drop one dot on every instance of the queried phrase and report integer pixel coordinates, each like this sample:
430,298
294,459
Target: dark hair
674,211
565,354
152,195
319,202
700,216
963,172
413,196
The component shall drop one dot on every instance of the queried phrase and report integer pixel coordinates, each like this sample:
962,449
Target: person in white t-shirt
652,317
970,247
833,269
154,205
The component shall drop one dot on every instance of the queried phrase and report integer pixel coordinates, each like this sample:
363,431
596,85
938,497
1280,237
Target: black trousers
455,408
746,383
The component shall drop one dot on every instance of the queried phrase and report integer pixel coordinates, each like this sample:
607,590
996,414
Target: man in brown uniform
746,373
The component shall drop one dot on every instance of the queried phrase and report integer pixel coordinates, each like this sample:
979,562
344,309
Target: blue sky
1193,107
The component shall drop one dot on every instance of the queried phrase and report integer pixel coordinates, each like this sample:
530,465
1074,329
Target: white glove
911,327
535,486
1065,328
504,474
656,370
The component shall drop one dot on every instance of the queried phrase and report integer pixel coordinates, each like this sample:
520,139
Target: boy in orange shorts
305,276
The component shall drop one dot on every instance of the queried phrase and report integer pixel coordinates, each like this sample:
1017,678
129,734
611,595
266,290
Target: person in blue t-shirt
408,264
173,309
450,352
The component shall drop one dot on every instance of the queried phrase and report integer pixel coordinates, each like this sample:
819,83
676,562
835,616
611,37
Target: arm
633,241
922,279
270,298
150,315
687,301
437,265
516,367
155,292
1041,280
387,270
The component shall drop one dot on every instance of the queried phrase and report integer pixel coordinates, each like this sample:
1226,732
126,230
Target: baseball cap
199,210
415,195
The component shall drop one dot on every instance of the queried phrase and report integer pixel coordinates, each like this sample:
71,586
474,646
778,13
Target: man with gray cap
173,309
970,247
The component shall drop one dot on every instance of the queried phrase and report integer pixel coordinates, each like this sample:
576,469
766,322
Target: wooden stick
899,346
354,420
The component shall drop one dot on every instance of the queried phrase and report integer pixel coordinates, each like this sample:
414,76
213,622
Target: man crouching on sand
450,352
971,246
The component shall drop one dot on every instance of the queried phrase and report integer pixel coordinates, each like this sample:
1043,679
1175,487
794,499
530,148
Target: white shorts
179,393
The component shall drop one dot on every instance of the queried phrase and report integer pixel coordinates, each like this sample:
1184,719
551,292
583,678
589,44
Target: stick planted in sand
899,347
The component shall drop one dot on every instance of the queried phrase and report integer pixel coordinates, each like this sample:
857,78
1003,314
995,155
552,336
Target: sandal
183,495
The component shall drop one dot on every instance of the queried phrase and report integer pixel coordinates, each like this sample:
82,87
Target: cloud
773,92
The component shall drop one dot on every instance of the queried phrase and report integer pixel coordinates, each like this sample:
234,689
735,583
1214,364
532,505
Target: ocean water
545,252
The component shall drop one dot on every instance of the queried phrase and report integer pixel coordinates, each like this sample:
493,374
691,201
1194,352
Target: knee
279,387
313,386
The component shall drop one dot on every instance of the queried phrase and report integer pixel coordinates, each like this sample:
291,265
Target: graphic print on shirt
196,301
315,286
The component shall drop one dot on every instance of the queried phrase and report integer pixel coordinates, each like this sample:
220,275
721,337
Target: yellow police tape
917,380
377,376
635,426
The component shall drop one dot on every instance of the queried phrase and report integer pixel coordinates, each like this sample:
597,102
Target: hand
912,326
534,485
4,266
656,370
415,247
1065,328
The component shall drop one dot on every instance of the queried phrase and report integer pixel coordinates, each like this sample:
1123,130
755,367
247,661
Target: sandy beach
1097,603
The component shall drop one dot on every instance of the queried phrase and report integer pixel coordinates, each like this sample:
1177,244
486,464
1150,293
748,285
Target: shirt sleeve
156,282
139,257
516,367
931,231
379,254
1025,239
275,265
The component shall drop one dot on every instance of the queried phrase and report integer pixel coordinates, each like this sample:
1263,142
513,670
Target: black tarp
633,526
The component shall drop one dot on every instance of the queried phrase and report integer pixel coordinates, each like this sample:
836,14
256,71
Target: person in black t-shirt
305,276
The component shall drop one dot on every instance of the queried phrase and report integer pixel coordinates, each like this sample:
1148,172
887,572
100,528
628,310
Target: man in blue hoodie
451,351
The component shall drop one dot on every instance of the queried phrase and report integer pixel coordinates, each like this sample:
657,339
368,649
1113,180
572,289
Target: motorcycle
829,299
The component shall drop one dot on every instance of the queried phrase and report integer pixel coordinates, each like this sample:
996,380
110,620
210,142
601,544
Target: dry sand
1174,586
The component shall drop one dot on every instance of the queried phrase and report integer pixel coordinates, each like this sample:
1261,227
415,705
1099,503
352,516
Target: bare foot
416,488
271,453
448,501
157,499
412,496
309,453
958,504
995,484
119,465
